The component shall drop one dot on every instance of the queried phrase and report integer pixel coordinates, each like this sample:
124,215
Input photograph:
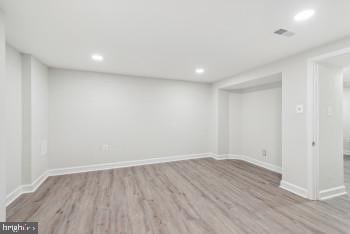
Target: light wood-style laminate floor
196,196
347,173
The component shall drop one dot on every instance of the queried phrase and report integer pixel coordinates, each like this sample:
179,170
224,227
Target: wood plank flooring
196,196
347,173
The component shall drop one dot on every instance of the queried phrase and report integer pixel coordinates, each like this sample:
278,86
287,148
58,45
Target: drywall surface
255,125
235,123
35,118
223,123
39,118
296,140
99,118
14,125
346,119
331,170
4,117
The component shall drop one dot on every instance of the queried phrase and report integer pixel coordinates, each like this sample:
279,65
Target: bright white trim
313,120
219,156
347,152
251,160
234,157
259,163
333,192
37,182
28,188
302,192
225,156
108,166
14,195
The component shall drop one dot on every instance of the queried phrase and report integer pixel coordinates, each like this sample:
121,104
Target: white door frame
313,120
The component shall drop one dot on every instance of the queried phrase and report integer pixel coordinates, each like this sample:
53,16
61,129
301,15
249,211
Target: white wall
235,124
3,121
139,118
35,118
39,118
14,126
346,119
331,168
223,123
296,134
255,124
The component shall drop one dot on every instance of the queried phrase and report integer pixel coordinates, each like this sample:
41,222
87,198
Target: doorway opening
330,160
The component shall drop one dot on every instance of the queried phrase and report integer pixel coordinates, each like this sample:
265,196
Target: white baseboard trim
28,188
265,165
293,189
108,166
333,192
14,195
225,156
251,160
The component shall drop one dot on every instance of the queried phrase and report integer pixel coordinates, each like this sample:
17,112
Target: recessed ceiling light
200,70
304,15
97,57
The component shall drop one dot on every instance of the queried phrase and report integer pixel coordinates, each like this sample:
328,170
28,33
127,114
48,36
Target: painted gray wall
235,124
14,126
139,118
346,119
39,119
256,124
331,160
182,112
35,118
3,121
296,140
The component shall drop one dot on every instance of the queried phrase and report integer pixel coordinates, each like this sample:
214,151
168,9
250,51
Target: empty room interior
174,116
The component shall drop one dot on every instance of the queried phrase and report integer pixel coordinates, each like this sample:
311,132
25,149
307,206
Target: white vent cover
284,32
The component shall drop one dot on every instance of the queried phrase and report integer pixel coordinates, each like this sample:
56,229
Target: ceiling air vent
284,32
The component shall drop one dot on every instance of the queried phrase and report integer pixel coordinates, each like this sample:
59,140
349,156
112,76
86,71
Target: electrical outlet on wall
264,153
106,147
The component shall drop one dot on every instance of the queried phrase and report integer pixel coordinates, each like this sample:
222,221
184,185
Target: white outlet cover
105,147
299,109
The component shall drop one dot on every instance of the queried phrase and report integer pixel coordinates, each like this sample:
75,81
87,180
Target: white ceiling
169,39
